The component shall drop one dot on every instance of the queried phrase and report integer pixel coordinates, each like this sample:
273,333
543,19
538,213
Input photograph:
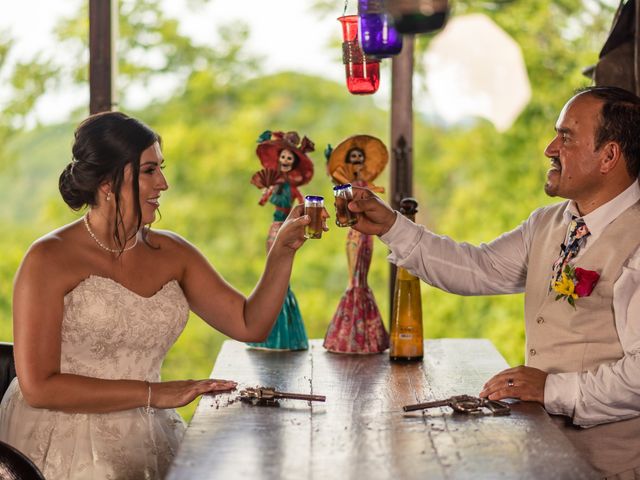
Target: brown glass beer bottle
406,342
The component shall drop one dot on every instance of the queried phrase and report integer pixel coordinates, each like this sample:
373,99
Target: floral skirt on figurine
357,326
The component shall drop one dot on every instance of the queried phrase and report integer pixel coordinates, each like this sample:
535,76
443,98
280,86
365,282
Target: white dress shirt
611,392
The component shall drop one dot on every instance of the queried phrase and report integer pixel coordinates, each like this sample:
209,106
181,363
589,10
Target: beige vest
563,339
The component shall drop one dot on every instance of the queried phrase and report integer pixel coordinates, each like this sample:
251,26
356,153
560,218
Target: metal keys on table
464,404
269,396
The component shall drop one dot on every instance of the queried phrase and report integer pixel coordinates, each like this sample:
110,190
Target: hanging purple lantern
378,35
418,16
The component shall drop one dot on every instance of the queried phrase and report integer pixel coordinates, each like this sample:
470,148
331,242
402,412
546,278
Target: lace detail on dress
109,332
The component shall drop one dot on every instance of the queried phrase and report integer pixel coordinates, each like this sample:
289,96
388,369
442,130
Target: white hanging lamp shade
474,68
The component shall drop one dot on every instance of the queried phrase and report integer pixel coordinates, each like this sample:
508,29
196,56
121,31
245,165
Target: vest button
532,352
540,320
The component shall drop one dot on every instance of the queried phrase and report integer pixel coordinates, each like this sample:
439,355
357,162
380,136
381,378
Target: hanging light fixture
362,71
418,16
378,36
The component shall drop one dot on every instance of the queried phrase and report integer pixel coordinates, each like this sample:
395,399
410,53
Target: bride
98,303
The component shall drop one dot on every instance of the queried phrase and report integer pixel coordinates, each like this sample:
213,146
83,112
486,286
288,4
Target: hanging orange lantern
362,72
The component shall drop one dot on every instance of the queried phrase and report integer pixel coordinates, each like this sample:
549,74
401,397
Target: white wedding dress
108,332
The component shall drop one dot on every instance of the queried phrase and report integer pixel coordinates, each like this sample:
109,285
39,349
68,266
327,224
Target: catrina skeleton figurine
286,167
357,326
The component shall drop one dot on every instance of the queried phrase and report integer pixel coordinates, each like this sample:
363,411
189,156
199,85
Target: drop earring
108,196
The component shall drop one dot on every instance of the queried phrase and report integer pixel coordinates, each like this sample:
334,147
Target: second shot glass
343,195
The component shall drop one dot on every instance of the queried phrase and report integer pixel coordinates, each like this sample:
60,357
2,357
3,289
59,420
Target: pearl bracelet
148,409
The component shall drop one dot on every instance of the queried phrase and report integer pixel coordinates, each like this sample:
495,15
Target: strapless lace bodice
108,331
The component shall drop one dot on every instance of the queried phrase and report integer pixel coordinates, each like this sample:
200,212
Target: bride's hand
291,233
182,392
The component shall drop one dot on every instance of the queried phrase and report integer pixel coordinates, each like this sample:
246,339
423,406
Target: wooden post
401,134
101,71
636,49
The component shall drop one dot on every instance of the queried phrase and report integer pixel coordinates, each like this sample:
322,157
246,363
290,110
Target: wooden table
361,431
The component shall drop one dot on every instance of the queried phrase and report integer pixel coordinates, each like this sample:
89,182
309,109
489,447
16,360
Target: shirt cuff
402,238
392,233
561,393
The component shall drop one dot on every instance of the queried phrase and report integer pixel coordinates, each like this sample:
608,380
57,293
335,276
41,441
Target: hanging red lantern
418,16
362,72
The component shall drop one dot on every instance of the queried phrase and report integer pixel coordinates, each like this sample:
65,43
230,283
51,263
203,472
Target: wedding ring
510,382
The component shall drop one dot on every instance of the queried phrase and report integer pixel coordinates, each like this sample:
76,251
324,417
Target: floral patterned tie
576,237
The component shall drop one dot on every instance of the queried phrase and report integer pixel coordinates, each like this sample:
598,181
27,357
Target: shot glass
313,206
343,195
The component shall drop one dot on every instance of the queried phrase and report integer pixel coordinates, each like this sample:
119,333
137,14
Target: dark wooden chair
7,366
14,465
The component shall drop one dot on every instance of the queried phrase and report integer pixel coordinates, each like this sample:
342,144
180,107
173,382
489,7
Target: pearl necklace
102,245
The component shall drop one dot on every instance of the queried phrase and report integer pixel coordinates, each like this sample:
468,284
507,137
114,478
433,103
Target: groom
583,340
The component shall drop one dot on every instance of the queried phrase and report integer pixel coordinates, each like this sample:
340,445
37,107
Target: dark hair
619,122
347,158
105,143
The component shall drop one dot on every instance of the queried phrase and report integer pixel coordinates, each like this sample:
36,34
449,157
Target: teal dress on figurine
286,167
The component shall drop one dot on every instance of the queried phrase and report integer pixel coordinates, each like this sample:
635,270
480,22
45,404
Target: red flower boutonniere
575,283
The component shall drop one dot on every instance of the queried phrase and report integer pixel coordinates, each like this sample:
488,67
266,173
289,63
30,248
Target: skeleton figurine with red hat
286,167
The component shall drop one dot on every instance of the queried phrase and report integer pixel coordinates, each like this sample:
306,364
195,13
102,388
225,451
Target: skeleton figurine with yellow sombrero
286,167
357,326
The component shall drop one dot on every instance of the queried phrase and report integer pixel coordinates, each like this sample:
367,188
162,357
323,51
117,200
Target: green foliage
472,183
23,83
151,48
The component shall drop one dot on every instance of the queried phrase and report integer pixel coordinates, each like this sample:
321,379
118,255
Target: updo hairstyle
105,143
